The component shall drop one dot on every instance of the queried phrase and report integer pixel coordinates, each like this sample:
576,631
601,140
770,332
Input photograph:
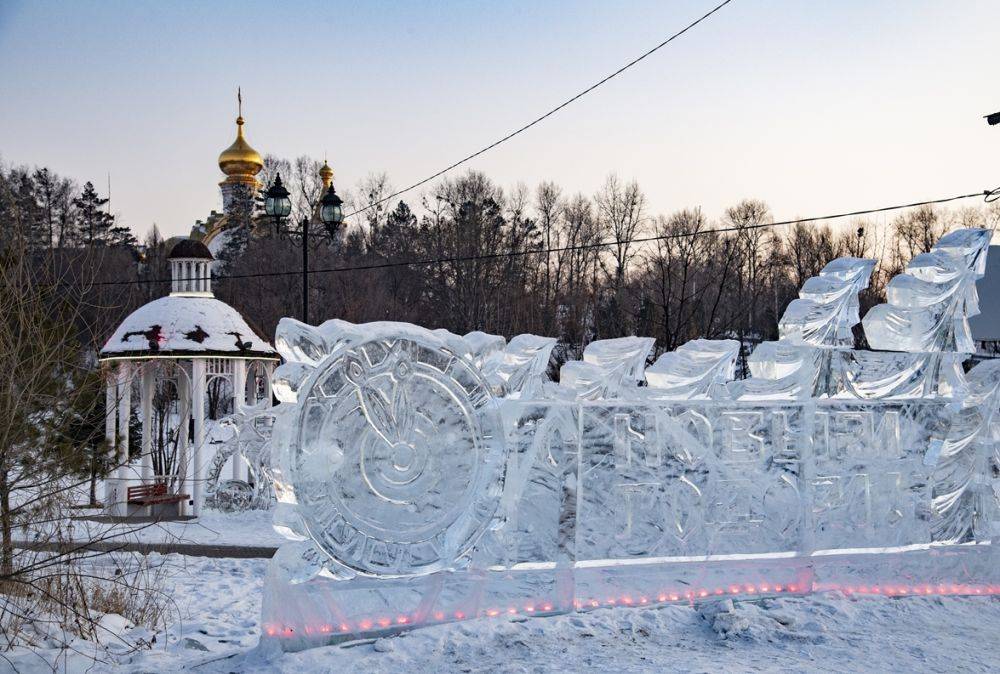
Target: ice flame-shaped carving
697,370
610,368
929,305
827,307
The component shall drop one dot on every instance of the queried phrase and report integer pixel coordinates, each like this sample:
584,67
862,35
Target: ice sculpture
424,477
246,434
930,304
610,367
521,366
697,370
827,307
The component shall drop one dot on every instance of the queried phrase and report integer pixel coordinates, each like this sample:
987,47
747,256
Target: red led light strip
688,595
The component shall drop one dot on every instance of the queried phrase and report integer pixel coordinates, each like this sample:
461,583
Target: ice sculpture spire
814,328
827,307
929,305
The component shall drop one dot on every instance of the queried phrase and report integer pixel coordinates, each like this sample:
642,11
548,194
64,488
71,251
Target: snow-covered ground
252,528
215,609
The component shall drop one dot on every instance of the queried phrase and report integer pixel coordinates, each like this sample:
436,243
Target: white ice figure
610,368
697,370
244,434
482,345
519,369
928,306
418,488
827,307
392,460
814,330
780,371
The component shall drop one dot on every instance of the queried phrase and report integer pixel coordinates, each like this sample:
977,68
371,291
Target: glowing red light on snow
344,627
595,603
365,624
547,607
530,609
492,612
459,615
702,593
733,589
610,602
512,611
764,587
661,597
627,600
778,588
402,620
674,597
384,622
438,615
271,631
643,600
750,589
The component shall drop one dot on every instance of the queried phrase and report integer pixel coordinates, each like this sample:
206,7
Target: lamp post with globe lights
278,205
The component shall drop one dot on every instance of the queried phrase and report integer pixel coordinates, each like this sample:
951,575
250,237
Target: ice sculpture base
325,611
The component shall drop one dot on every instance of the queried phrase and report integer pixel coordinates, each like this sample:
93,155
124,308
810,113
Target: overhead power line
548,114
562,249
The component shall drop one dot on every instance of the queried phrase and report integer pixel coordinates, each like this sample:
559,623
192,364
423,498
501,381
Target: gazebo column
198,412
240,470
148,383
124,415
184,389
110,430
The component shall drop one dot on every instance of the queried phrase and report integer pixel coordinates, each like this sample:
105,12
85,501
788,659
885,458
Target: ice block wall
426,477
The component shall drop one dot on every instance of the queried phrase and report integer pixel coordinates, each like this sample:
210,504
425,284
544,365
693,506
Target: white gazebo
190,358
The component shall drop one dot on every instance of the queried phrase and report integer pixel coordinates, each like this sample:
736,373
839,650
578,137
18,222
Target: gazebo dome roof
180,326
190,249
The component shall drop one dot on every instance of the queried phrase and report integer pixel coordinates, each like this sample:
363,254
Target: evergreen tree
95,226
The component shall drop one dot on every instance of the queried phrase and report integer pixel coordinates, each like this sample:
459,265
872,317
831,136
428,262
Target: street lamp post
278,205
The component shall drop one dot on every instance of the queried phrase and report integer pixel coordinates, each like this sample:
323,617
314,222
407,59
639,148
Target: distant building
986,326
240,163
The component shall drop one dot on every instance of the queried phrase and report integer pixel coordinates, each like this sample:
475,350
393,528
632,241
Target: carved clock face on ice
399,460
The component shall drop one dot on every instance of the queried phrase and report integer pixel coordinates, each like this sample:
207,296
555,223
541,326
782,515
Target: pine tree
94,224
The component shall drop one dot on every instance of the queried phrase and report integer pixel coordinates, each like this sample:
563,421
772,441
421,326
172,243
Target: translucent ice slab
827,307
695,371
928,306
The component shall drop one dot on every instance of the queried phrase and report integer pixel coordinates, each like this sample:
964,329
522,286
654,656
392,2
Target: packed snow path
216,609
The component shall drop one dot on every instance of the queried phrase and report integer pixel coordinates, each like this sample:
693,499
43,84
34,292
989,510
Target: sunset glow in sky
813,107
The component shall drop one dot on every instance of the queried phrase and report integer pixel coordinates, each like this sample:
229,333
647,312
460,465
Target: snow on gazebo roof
179,325
189,321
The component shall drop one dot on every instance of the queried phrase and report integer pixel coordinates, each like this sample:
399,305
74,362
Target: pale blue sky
813,106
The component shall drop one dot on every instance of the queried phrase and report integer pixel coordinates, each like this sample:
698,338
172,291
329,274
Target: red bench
152,494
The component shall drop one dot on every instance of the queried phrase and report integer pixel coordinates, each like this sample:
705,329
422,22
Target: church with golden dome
240,163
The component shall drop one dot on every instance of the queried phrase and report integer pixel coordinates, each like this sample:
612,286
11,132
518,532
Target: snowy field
215,611
252,528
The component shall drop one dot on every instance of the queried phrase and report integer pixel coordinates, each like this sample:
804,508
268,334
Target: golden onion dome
326,174
239,159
